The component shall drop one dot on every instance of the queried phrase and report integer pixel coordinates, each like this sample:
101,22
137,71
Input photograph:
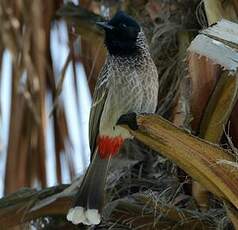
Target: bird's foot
128,119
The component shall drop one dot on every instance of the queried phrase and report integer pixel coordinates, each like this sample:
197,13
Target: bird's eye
123,25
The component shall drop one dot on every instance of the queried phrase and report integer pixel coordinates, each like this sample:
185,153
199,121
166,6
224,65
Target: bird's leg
128,119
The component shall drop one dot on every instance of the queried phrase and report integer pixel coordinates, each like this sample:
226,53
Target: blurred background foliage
39,98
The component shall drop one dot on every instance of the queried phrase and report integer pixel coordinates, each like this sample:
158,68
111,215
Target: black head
121,33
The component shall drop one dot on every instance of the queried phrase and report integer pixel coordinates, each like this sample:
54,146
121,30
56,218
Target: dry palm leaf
195,156
145,211
214,99
32,79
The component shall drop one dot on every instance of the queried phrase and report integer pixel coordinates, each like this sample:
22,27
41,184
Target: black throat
122,48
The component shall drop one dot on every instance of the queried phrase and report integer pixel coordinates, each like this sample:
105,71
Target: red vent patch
109,146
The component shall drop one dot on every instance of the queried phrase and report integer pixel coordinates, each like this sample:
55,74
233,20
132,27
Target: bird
128,83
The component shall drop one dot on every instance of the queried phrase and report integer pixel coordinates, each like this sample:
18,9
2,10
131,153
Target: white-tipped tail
93,216
69,216
79,215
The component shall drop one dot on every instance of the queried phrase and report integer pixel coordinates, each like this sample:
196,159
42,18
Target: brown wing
99,98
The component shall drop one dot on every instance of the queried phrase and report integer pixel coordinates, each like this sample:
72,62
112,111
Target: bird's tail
90,198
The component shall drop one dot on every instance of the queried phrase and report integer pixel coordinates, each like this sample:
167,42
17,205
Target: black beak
105,25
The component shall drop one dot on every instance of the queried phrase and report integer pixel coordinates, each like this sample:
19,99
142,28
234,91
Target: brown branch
200,159
22,206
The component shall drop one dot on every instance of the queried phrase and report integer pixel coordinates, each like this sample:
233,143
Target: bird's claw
128,119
